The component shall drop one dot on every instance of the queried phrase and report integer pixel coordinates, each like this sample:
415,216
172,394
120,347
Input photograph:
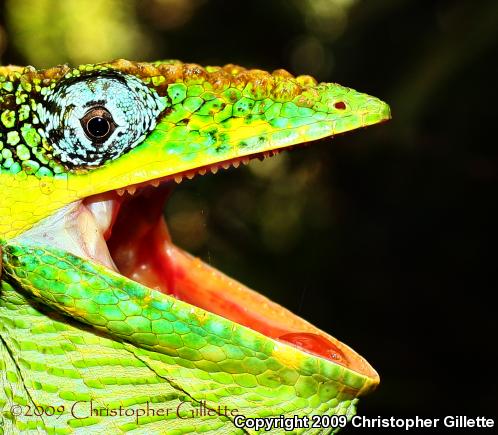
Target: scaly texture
106,354
209,115
198,352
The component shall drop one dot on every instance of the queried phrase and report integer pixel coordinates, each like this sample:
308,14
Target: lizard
106,326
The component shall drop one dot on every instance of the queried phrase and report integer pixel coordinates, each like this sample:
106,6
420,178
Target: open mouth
126,231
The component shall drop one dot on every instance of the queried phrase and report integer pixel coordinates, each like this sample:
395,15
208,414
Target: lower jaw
142,250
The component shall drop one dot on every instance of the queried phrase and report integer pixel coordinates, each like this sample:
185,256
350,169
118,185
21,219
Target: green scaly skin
74,334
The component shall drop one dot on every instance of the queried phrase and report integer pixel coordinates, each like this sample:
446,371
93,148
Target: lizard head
89,155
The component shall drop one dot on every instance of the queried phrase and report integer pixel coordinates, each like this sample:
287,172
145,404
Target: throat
140,243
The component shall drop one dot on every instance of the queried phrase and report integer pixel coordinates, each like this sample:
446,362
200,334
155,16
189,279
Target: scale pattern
72,331
194,117
22,149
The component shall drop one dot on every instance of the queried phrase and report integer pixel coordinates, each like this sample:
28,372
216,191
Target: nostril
340,105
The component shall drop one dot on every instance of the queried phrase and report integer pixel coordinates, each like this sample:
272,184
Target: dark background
383,237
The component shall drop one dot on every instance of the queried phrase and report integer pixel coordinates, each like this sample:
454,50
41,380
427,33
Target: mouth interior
132,224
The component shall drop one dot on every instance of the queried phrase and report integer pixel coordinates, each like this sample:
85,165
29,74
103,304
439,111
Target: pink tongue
142,250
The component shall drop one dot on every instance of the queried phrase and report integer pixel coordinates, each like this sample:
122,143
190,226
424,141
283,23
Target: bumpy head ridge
45,124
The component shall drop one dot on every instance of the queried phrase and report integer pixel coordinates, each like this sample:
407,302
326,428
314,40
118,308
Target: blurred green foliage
381,237
50,32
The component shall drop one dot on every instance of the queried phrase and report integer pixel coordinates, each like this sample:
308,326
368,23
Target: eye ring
98,124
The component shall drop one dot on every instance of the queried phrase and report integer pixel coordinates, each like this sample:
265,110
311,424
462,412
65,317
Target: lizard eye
91,119
98,124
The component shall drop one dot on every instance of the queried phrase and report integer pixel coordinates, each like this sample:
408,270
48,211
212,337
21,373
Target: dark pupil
98,126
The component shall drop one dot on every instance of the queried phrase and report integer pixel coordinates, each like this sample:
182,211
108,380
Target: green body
86,350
